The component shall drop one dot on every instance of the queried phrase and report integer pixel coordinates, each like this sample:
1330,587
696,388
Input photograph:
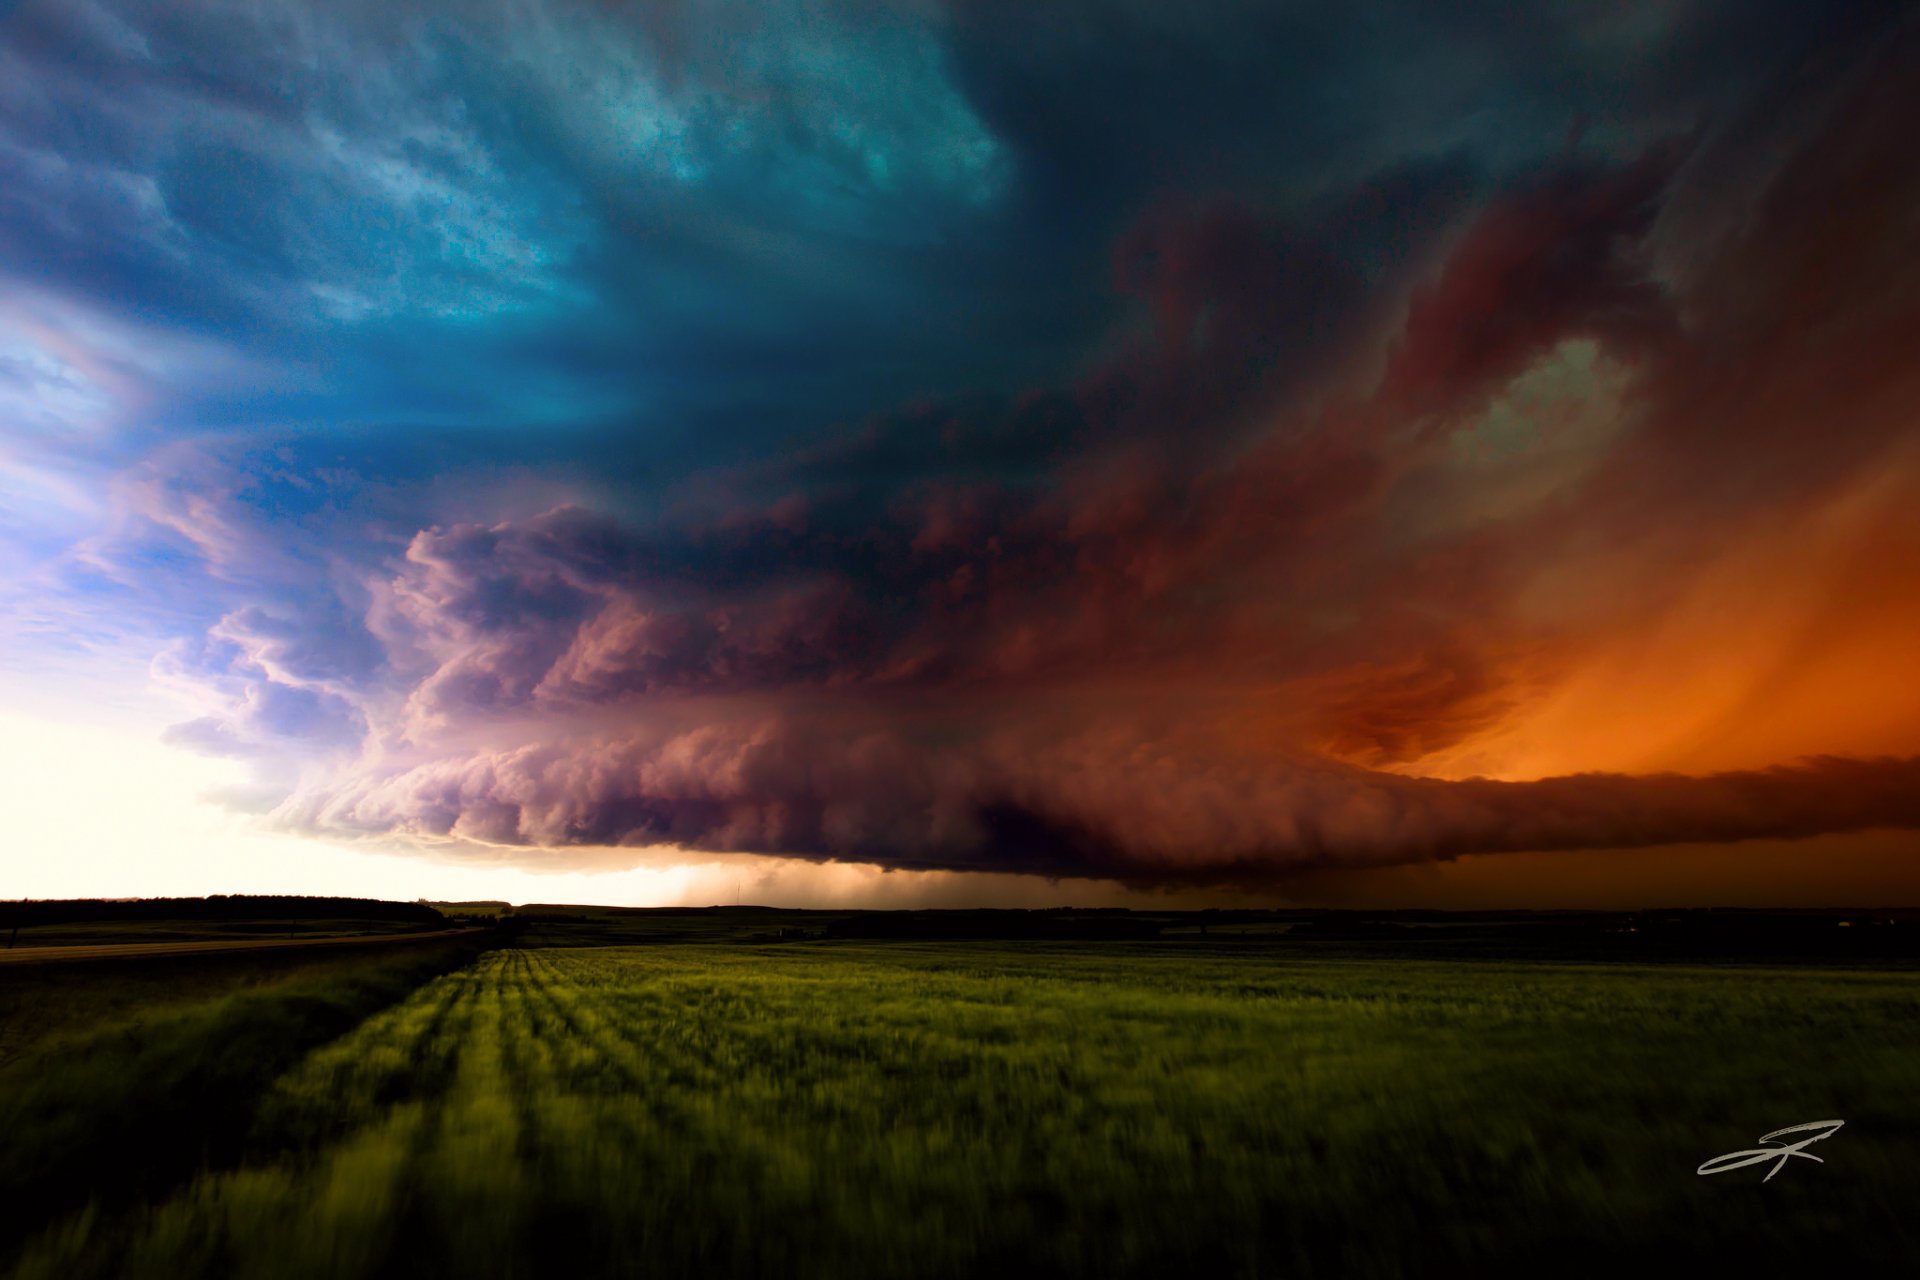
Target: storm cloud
1089,440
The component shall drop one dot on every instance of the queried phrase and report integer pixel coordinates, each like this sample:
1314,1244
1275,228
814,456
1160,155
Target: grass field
84,935
120,1078
1255,1108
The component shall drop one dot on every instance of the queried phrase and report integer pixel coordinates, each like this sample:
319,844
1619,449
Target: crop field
83,935
948,1109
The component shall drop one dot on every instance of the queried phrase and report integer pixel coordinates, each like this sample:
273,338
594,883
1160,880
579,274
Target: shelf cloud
1087,441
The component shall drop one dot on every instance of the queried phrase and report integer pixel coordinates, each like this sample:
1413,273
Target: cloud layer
1078,449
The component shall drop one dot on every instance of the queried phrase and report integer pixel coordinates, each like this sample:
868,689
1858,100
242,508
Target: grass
123,1078
86,934
1255,1108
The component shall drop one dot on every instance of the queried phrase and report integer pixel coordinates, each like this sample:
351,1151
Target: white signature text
1779,1153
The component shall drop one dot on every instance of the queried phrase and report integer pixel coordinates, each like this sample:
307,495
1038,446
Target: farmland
1250,1106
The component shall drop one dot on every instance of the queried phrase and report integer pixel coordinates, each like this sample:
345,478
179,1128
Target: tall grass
1069,1109
119,1101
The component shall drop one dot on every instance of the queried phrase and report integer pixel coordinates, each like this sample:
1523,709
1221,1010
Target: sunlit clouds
959,453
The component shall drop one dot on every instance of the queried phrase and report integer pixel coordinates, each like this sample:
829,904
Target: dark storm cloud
1088,439
738,218
933,686
1093,804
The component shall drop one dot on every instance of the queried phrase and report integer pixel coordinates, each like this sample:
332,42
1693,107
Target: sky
1103,452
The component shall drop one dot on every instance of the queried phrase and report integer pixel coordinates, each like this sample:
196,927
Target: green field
119,1079
88,935
952,1109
